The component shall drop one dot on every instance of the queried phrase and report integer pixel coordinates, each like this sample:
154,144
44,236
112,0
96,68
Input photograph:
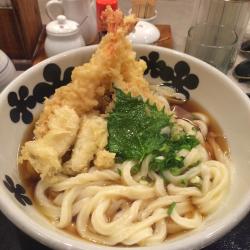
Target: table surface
239,238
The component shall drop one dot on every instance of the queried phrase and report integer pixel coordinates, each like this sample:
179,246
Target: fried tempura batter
113,63
45,154
91,139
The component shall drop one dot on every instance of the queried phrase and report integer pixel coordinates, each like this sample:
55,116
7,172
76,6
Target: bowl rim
54,240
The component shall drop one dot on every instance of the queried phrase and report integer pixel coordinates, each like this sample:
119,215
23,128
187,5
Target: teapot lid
62,27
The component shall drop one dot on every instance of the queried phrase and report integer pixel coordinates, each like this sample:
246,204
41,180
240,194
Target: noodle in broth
129,204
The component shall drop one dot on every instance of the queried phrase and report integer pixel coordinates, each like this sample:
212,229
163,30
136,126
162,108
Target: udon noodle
81,182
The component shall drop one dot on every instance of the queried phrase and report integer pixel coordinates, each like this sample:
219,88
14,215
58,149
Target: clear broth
213,127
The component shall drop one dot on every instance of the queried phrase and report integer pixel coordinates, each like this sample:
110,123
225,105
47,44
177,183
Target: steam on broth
114,162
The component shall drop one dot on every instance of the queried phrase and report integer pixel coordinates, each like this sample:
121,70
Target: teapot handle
51,6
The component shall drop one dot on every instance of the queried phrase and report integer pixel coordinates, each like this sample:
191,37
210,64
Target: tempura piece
93,137
45,154
104,159
113,63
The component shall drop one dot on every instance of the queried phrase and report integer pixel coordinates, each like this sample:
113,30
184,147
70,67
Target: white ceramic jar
62,35
7,70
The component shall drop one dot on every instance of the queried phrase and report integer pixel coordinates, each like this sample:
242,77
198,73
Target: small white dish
144,33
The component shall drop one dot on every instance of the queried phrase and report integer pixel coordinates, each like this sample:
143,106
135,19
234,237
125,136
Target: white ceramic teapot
62,35
81,11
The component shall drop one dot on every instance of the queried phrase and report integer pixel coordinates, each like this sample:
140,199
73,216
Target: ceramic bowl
21,102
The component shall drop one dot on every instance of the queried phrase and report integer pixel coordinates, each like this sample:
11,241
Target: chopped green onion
184,182
119,171
160,158
175,171
194,164
157,164
197,185
165,148
135,169
171,208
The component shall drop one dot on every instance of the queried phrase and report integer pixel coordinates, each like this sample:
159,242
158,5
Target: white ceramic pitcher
81,11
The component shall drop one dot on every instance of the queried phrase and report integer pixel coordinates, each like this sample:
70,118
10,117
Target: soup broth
213,127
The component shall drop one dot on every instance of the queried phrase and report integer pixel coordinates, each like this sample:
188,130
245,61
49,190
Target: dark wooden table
13,239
